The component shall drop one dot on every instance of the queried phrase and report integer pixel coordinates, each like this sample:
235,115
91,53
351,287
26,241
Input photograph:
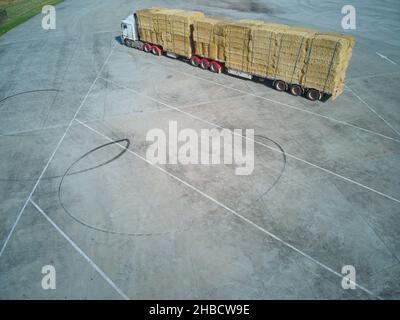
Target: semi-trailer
298,60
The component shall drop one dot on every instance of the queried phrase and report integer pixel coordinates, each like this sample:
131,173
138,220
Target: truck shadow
118,40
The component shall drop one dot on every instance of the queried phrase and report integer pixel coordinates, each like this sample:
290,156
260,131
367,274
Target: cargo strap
269,54
184,37
229,51
197,42
330,66
197,32
279,55
209,42
308,59
245,45
253,69
297,58
172,29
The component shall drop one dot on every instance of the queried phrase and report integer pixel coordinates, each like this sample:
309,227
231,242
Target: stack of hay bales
252,46
295,55
208,37
327,61
147,25
275,51
237,40
291,54
264,47
169,28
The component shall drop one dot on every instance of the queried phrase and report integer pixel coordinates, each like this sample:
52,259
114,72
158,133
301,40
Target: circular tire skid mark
284,160
152,217
23,93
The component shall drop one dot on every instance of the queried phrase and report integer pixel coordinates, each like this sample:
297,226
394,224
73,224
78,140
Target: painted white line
80,251
53,154
238,215
282,104
21,132
212,101
141,113
377,75
386,58
262,144
300,109
372,109
56,37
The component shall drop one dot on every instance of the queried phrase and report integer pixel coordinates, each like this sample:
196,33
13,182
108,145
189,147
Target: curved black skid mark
79,171
90,226
30,91
109,231
284,160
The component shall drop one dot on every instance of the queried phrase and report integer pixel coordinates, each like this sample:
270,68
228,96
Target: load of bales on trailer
209,37
275,51
170,28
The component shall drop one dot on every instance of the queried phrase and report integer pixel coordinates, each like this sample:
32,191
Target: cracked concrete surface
127,229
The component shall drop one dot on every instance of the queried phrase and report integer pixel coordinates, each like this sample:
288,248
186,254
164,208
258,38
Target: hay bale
291,54
295,55
264,45
237,39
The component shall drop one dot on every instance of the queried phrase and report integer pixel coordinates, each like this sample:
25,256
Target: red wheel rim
156,50
195,61
215,67
204,64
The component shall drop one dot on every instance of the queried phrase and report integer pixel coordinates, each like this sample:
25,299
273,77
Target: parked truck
298,60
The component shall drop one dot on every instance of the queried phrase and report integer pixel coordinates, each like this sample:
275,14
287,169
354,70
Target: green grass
18,11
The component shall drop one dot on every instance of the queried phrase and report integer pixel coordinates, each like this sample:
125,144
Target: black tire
280,85
147,48
156,51
313,94
194,61
296,90
204,64
128,43
215,67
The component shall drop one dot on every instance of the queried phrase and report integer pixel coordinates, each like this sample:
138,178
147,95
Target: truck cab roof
129,19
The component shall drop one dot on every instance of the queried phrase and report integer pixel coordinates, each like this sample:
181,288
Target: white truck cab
130,34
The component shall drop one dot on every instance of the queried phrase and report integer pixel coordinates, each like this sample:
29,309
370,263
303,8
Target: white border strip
238,215
83,254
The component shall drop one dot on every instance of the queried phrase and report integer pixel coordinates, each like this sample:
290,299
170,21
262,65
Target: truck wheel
195,61
280,85
215,67
296,90
147,47
127,42
313,94
156,50
204,64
